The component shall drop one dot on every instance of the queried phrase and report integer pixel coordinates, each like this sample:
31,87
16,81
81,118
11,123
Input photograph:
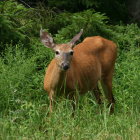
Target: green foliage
19,71
16,72
127,75
13,25
115,9
127,37
24,103
72,5
92,23
20,24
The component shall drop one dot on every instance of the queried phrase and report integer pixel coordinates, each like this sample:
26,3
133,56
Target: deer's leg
51,94
107,87
73,99
97,94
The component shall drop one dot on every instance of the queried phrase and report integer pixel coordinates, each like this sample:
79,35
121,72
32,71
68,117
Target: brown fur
93,60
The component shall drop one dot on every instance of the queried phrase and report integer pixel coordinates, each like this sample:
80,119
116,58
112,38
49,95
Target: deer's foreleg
51,94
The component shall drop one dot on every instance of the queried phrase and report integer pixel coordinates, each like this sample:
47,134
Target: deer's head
63,52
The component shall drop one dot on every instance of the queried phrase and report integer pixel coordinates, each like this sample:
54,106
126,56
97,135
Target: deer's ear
46,39
75,38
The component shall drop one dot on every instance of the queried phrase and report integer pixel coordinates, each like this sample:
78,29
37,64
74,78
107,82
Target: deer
80,67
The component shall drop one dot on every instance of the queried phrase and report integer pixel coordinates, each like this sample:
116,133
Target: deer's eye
57,52
71,53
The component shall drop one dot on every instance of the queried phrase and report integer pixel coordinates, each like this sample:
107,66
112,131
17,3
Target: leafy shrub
24,106
115,9
18,78
126,37
21,24
93,24
13,26
127,75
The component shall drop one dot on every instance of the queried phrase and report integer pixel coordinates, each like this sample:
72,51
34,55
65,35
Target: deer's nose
65,66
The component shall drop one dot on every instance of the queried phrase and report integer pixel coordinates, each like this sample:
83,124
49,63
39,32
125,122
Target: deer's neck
58,76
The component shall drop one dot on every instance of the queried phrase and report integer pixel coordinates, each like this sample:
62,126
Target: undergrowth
24,104
24,112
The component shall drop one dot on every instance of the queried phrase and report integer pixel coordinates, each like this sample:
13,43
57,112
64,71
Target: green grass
24,104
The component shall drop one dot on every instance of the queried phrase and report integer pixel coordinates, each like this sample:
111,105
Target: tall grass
24,104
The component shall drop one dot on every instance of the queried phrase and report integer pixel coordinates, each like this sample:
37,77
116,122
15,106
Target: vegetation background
23,59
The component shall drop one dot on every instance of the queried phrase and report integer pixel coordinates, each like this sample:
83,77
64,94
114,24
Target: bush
21,24
126,37
92,22
13,25
19,78
24,105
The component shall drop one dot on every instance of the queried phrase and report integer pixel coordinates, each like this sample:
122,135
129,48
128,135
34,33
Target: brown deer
80,67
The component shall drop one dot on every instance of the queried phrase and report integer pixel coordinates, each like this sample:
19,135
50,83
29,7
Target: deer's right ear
46,39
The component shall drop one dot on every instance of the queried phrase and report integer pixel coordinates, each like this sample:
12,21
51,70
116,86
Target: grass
24,104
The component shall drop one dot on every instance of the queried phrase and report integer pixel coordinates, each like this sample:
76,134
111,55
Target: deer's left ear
46,39
75,38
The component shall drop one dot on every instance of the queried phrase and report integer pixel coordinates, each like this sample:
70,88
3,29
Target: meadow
24,105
